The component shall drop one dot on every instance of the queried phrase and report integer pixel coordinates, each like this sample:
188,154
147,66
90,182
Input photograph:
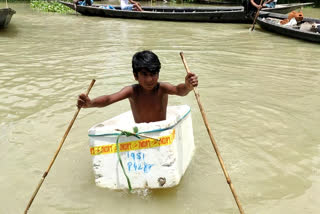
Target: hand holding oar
257,14
57,152
212,139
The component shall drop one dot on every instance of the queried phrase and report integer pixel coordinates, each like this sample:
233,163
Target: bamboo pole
256,16
213,140
57,152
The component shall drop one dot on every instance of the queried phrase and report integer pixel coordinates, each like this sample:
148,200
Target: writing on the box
133,145
136,162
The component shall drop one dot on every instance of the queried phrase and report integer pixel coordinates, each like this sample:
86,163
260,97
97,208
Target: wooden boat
268,21
5,16
147,163
191,14
286,8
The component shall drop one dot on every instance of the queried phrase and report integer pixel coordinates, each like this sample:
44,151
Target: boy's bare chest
149,100
149,108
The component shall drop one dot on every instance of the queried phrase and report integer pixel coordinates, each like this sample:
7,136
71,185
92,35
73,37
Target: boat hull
5,16
147,162
287,30
187,14
286,8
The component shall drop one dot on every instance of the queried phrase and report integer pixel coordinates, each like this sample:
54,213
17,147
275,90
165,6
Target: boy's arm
102,101
191,80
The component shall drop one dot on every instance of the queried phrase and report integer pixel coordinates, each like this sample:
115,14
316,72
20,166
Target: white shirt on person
124,3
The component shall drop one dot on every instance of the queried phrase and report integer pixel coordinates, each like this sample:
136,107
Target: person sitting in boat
149,98
251,7
83,2
133,6
270,3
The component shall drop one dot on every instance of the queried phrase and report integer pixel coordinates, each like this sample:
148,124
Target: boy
149,98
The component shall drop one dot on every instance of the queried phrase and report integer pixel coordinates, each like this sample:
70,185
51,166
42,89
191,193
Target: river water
260,92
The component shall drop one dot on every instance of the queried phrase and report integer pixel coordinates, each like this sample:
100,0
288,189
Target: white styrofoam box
148,163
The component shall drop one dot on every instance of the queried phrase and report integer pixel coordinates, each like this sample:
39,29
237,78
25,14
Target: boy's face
147,80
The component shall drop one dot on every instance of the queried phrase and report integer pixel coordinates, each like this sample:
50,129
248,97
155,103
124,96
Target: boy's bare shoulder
166,87
127,91
132,90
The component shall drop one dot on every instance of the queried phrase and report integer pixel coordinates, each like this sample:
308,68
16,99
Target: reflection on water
260,92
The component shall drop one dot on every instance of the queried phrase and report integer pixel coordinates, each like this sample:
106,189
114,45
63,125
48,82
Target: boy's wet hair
145,60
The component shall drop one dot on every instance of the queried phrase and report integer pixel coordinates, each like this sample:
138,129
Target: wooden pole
256,16
212,140
57,152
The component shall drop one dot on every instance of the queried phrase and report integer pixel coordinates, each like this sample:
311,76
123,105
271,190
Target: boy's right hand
83,101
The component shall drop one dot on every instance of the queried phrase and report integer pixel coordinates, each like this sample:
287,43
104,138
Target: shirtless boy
149,98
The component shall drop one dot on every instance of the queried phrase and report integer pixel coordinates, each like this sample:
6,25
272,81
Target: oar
212,139
57,152
257,14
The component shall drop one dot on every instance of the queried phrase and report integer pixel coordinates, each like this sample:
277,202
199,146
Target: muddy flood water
260,91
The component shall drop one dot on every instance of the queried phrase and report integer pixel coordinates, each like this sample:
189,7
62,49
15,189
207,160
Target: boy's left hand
191,80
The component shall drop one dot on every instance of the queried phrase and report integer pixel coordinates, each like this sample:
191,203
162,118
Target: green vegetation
49,6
